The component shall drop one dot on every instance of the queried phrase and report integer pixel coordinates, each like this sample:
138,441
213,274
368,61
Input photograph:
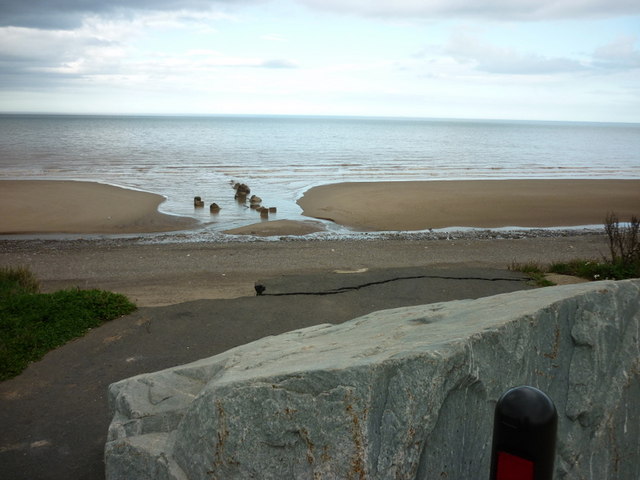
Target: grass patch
588,269
534,271
32,323
593,270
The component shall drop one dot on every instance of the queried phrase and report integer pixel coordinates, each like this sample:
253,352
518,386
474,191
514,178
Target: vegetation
14,281
33,323
624,261
624,243
594,270
535,272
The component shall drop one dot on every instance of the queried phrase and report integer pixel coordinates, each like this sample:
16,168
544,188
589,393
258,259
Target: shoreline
424,205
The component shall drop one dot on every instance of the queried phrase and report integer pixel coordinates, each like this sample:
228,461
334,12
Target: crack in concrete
260,289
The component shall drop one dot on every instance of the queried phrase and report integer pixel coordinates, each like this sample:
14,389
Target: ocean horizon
280,157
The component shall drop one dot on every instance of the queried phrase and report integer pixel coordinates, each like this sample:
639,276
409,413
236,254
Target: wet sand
410,206
49,206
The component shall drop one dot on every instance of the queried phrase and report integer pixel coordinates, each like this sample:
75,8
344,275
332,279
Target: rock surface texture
407,393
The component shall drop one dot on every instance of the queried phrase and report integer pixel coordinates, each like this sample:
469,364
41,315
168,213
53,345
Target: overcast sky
514,59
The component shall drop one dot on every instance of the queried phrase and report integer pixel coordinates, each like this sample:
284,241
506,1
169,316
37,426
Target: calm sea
281,157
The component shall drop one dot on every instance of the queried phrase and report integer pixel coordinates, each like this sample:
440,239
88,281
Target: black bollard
524,436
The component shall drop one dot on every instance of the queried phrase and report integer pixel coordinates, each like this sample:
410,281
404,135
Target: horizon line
309,116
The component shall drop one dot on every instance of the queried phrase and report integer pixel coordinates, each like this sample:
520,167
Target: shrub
14,280
624,243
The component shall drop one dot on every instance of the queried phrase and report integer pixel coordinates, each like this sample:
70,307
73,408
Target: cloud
30,57
466,49
489,58
102,53
278,63
69,14
526,10
621,54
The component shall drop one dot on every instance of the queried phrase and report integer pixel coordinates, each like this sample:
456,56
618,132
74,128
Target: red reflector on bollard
511,467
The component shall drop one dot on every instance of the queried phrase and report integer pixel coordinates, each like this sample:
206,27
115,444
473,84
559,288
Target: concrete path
54,416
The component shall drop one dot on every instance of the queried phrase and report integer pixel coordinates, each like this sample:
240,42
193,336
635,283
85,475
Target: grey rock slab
407,393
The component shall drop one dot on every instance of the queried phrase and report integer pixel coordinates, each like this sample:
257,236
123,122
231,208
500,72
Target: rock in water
407,393
242,190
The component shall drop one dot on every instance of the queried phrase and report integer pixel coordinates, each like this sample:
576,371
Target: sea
280,157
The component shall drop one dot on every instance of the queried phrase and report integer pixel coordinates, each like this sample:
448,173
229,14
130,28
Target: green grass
32,323
594,270
588,269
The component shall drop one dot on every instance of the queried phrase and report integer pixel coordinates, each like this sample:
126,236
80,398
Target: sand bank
46,206
408,206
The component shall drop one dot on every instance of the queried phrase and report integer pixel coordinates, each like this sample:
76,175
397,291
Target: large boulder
407,393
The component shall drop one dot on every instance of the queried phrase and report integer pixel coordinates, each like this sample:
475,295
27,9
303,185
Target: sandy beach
43,206
48,206
381,206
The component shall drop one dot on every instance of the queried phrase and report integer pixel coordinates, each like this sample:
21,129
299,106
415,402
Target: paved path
54,417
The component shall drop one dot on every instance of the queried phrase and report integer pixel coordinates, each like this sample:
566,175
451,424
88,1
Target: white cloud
45,58
621,54
103,49
278,63
467,48
70,14
489,58
52,45
526,10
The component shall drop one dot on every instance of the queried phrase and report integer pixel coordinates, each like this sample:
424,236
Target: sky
569,60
